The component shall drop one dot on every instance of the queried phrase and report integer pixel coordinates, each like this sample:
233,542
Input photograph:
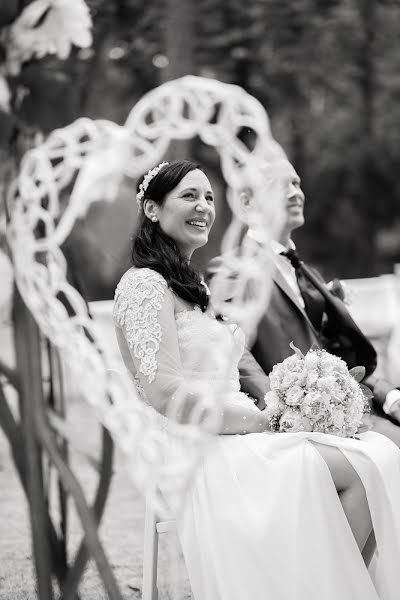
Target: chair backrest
375,304
102,314
375,307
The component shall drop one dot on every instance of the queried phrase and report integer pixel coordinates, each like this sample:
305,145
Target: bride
269,516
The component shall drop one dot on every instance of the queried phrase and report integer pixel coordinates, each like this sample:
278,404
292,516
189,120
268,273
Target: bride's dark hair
154,249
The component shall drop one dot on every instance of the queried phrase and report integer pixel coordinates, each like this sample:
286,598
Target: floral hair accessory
145,183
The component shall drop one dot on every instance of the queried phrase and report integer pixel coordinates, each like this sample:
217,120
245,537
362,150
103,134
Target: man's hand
395,411
386,396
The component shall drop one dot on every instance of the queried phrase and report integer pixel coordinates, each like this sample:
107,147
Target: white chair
152,528
374,303
375,308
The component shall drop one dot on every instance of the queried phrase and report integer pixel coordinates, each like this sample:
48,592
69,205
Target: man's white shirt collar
286,268
278,248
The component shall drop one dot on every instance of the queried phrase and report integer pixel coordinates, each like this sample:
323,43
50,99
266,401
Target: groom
304,310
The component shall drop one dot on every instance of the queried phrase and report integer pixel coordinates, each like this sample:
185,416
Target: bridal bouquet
316,392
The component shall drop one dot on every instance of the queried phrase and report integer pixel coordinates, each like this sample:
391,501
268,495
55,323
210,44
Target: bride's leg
351,493
369,548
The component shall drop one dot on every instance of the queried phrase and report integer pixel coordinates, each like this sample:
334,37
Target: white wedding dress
262,519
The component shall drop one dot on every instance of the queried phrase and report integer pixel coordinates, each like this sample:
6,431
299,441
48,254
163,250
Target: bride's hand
239,418
258,424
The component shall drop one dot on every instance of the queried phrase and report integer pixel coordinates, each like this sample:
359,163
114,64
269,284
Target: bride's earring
154,219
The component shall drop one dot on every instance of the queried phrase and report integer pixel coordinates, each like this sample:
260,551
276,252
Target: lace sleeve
144,312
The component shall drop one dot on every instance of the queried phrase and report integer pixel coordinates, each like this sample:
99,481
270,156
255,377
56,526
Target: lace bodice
164,346
209,348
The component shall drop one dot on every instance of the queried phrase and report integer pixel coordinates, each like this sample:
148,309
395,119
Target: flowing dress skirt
263,521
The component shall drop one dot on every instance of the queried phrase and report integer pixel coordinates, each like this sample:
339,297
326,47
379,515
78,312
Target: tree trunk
179,37
368,175
9,11
179,48
368,21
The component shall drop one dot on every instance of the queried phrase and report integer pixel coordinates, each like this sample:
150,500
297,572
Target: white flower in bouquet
311,361
337,418
328,384
274,405
294,395
316,392
316,405
289,380
294,364
292,421
329,364
312,378
275,379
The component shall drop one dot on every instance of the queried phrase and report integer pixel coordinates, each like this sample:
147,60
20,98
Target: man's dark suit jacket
283,322
286,321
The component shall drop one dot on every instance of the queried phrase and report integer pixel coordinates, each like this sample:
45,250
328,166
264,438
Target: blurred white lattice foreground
375,307
85,162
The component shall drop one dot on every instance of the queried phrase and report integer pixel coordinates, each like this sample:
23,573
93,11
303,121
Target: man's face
294,198
284,174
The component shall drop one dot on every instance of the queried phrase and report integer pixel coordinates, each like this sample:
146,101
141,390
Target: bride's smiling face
188,212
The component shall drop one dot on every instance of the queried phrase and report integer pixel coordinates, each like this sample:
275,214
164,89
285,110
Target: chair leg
150,557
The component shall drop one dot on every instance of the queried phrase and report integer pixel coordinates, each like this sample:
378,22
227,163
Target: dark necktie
313,301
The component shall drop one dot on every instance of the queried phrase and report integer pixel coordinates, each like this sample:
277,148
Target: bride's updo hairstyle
154,249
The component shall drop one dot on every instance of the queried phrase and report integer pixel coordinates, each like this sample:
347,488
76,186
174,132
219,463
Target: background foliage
325,70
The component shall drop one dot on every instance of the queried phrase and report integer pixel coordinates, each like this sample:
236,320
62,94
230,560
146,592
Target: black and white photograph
199,300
